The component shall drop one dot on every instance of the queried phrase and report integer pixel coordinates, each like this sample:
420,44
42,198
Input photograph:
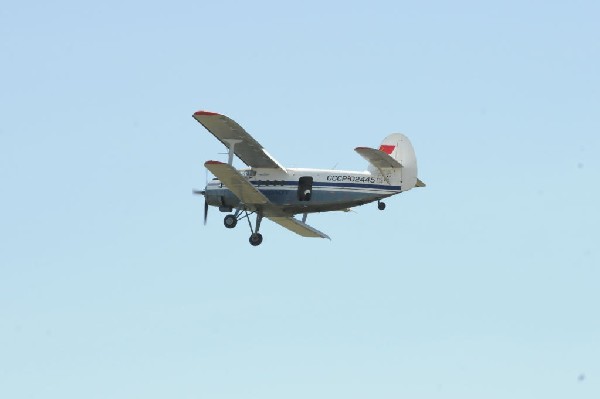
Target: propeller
202,192
205,211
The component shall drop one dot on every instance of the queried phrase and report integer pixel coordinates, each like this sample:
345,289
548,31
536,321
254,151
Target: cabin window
270,182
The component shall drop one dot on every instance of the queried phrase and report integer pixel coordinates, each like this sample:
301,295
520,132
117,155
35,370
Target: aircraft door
305,184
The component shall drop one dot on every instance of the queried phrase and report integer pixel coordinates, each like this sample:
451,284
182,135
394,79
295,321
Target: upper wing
377,158
237,183
298,227
246,148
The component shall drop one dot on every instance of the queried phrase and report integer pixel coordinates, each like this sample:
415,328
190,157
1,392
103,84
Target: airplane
267,189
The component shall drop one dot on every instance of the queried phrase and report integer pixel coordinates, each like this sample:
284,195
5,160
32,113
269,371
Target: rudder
399,147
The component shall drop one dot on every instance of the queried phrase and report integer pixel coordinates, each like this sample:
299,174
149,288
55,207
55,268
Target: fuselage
298,190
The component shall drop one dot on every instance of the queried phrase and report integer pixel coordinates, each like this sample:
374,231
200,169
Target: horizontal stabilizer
420,183
298,227
237,183
377,158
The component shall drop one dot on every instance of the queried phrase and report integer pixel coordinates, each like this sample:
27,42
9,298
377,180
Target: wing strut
232,143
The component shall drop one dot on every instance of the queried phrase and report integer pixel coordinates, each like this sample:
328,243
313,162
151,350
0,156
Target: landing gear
255,239
380,205
230,221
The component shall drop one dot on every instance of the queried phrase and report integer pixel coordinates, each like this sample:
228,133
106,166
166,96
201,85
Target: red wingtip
213,163
199,113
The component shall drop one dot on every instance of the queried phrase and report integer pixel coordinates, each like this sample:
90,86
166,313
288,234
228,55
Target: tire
230,221
381,206
256,239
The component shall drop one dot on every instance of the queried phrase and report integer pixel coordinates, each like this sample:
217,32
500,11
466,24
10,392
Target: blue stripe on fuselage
294,184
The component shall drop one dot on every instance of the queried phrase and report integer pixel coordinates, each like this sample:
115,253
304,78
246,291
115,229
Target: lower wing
298,227
250,195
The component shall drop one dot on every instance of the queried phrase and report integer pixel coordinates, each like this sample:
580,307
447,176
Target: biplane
269,190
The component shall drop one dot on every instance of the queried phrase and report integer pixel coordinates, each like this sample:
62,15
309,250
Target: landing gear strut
380,205
231,221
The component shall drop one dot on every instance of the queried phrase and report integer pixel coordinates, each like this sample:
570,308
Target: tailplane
399,149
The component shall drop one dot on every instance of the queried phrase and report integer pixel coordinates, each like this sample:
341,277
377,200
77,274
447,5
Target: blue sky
483,284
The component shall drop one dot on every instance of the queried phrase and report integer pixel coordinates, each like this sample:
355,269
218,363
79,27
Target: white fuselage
300,190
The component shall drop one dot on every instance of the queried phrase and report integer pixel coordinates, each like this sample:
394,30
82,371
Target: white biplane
267,189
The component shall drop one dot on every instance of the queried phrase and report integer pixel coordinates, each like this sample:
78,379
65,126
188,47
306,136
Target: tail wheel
256,239
381,205
230,221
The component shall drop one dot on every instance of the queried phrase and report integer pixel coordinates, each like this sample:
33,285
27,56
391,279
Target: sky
482,284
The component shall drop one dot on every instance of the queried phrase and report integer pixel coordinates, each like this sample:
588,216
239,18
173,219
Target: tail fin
398,146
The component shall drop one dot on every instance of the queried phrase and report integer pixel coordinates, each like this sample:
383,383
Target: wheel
230,221
381,205
255,239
